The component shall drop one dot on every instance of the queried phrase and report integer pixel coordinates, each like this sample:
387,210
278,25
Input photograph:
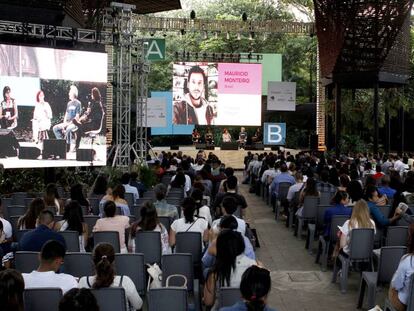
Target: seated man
242,138
51,258
230,206
161,205
34,240
231,192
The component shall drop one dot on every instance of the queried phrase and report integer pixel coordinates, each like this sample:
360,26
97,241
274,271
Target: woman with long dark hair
73,220
201,209
76,194
399,291
150,222
28,220
11,290
189,223
103,258
51,199
229,266
254,287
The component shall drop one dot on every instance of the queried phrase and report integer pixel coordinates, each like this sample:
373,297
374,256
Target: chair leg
372,293
290,218
300,225
334,272
362,286
344,274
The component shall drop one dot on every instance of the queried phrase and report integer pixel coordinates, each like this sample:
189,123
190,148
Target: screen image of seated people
52,94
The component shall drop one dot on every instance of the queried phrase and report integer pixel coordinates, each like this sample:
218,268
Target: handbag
155,276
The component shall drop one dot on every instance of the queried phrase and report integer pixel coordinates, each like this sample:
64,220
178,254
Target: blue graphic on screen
274,133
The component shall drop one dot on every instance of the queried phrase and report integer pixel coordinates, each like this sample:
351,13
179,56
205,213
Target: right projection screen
207,93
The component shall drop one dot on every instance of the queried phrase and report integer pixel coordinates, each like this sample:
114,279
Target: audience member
202,211
163,208
103,257
76,194
284,177
341,201
34,240
231,192
52,200
28,220
229,208
134,182
385,188
51,258
125,179
118,197
11,290
324,185
78,299
374,201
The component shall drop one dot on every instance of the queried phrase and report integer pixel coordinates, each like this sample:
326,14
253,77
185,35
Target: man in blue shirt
385,187
284,176
341,200
33,240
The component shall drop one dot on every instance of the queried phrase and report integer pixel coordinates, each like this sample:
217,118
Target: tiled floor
297,282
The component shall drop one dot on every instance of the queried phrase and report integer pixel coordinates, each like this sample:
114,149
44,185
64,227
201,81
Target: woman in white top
201,210
73,220
399,292
231,262
149,222
360,218
103,257
42,116
226,136
189,223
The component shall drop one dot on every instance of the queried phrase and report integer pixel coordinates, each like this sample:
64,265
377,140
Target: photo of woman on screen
42,116
8,110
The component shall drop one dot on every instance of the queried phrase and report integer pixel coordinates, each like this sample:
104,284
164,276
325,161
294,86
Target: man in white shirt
126,177
187,185
399,165
7,227
229,207
51,258
296,187
269,174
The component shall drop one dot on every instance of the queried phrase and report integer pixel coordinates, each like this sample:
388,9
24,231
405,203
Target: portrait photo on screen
216,93
51,111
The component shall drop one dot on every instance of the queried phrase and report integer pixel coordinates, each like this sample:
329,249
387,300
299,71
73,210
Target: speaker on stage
200,146
54,149
85,155
29,153
175,147
230,146
258,146
8,143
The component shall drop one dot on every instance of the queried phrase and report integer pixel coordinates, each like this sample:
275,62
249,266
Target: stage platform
232,158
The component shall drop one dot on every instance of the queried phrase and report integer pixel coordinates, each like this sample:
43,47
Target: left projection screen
53,107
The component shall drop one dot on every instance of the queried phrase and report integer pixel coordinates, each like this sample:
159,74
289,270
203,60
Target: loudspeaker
200,146
30,153
85,155
54,149
258,146
175,147
230,146
8,143
249,147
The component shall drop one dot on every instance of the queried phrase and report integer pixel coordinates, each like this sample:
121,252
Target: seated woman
73,220
341,200
52,199
112,222
149,222
195,136
42,116
118,197
226,137
229,266
201,209
399,291
28,220
76,194
189,223
255,286
103,257
8,110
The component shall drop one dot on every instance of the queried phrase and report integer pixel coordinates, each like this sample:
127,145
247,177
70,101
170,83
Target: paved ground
297,282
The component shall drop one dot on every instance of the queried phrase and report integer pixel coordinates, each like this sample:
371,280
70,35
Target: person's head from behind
96,95
74,216
36,206
78,299
51,191
255,286
149,217
76,193
344,180
103,257
378,168
160,191
118,192
110,209
46,218
101,184
125,178
385,181
231,183
11,290
73,92
341,197
310,188
283,168
229,205
298,176
229,171
189,207
51,255
230,244
197,195
196,82
360,215
371,193
228,222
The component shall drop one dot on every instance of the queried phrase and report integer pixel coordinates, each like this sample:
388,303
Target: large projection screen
52,110
217,93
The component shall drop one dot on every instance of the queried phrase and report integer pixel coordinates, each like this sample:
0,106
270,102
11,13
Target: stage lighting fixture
192,14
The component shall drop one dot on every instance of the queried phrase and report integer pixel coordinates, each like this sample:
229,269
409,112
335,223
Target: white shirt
204,211
49,279
131,189
269,173
241,225
401,279
7,228
345,229
399,166
130,290
187,185
198,225
293,189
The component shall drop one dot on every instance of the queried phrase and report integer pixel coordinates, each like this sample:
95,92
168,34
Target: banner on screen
274,133
156,112
217,93
281,96
53,98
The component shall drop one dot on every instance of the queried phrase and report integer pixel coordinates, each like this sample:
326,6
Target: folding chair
94,203
396,236
314,229
110,298
166,221
79,264
167,299
133,266
129,197
388,263
71,239
90,220
309,212
111,237
229,296
18,198
26,262
190,243
40,299
281,195
361,246
149,244
16,210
